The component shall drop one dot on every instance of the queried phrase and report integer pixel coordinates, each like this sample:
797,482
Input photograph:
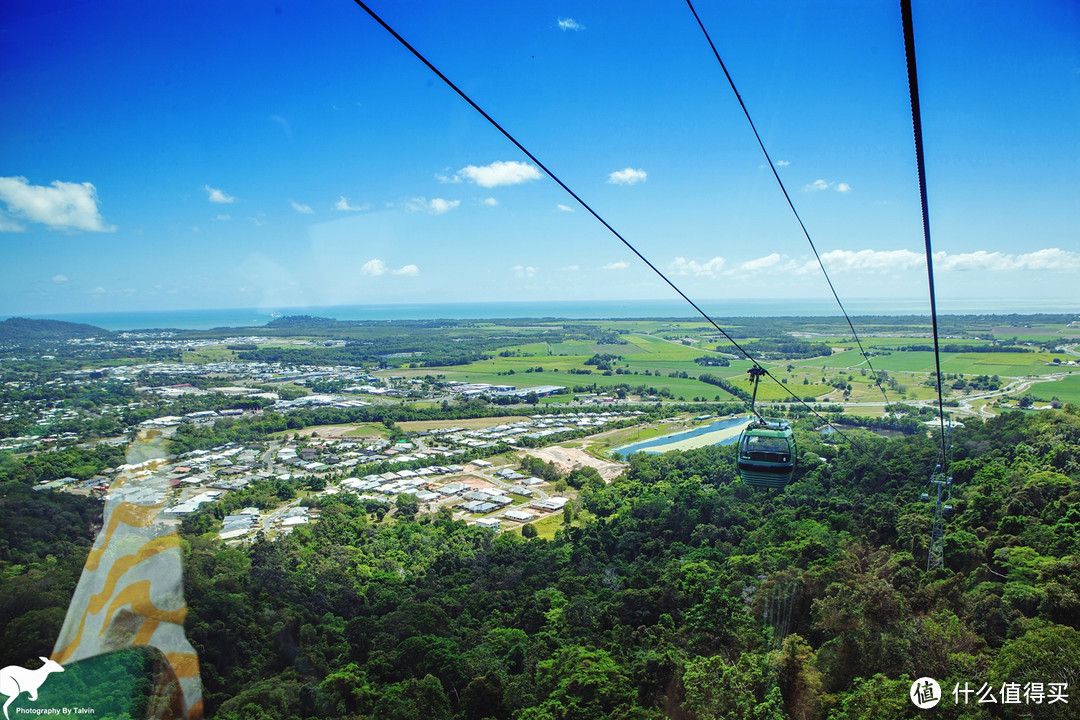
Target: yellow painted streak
138,595
123,564
145,632
129,514
185,665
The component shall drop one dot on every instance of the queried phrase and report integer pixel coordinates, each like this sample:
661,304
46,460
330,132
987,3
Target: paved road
266,522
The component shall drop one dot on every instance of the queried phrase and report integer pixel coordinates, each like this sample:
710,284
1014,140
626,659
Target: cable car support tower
942,509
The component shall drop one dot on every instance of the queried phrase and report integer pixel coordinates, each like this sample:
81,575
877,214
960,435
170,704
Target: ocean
205,319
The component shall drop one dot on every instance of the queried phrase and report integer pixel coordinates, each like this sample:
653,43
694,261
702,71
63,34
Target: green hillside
679,593
21,330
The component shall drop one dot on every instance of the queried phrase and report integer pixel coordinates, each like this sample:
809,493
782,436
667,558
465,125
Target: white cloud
59,279
883,261
620,265
782,163
891,262
496,174
490,202
374,268
62,205
571,268
820,184
768,262
435,206
439,205
627,176
344,205
564,208
868,261
1046,259
302,208
570,24
523,270
682,266
9,225
218,196
223,218
97,291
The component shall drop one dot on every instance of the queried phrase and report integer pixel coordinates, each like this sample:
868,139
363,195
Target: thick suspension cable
916,122
461,93
783,189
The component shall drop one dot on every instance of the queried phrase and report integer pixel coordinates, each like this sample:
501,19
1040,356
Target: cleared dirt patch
567,459
470,424
343,432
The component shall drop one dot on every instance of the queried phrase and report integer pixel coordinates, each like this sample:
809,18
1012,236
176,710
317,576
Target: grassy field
221,353
655,350
210,354
352,431
547,526
973,363
1038,333
576,348
645,360
1066,390
368,430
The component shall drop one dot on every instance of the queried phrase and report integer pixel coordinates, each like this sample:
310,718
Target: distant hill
305,321
24,329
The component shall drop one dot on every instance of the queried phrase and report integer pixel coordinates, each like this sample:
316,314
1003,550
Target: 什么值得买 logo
925,693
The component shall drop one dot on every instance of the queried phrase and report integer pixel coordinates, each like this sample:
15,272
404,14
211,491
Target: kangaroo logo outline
15,680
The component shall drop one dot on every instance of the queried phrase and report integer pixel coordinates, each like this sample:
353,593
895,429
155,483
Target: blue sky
164,156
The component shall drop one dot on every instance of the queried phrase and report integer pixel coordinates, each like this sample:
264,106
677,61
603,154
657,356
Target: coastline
210,318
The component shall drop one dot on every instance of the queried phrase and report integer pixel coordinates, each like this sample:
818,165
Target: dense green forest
19,330
676,592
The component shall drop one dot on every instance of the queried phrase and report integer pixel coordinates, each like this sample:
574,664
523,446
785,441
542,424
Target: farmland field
642,358
1066,389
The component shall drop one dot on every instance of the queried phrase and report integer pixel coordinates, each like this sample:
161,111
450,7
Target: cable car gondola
767,451
767,454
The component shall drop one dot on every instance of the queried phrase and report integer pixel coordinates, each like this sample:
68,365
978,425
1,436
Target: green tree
721,689
799,678
482,698
413,699
406,507
876,698
1045,654
582,684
